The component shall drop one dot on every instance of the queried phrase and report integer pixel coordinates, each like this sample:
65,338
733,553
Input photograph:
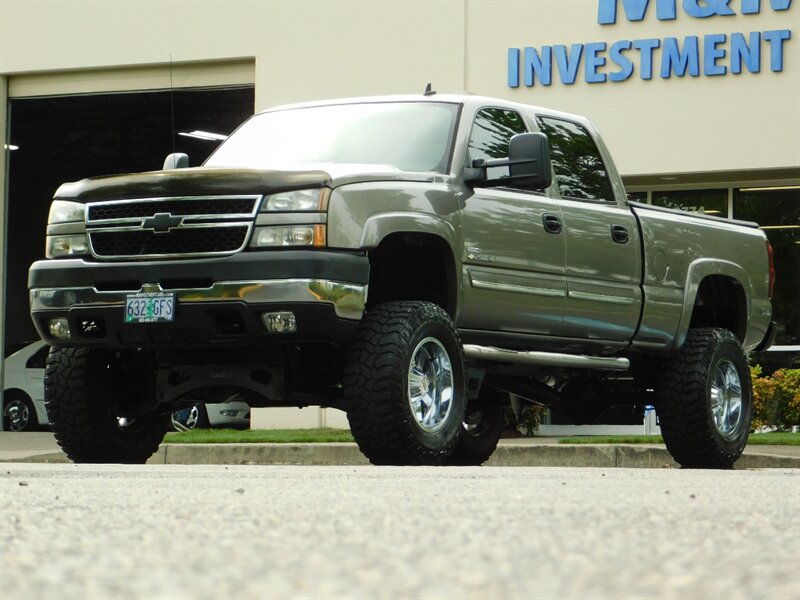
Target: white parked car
23,398
23,394
232,415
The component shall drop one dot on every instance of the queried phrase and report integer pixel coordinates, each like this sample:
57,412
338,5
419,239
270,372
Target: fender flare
379,226
698,270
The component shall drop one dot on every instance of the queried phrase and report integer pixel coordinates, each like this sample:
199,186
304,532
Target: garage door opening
58,139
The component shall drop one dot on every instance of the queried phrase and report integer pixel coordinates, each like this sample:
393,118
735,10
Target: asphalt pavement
516,452
207,532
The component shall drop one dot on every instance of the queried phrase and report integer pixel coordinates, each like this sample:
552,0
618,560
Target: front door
513,261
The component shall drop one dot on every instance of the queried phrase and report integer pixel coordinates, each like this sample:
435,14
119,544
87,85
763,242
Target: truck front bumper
217,302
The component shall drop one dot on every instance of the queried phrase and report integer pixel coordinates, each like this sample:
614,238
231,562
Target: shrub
776,399
526,421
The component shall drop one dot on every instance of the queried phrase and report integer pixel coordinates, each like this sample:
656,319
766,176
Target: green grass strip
258,436
755,439
323,436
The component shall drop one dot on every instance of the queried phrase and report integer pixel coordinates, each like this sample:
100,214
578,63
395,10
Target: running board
546,359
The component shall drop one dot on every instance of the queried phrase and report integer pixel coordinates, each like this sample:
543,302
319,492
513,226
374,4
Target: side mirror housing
176,160
528,164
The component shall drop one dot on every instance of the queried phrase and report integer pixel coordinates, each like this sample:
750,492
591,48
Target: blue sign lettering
634,10
594,61
568,64
707,8
673,59
776,39
646,48
513,67
753,7
746,52
541,65
711,55
623,62
666,10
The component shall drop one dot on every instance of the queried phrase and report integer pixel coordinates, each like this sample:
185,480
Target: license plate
149,307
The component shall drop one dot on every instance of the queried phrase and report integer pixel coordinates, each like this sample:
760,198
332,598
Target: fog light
59,328
228,413
279,322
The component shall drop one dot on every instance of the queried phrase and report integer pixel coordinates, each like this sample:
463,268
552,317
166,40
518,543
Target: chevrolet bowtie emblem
162,222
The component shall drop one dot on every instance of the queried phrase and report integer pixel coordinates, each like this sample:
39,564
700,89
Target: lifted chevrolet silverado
415,261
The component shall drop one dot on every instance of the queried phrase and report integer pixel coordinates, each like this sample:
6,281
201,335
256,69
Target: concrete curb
546,455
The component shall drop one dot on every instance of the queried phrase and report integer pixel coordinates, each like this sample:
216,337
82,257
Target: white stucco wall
322,49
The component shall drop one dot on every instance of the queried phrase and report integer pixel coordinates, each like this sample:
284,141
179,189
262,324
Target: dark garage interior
67,138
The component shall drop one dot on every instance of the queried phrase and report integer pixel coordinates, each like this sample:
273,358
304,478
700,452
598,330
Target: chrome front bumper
348,300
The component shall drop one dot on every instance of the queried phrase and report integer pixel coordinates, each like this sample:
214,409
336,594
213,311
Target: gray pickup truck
416,261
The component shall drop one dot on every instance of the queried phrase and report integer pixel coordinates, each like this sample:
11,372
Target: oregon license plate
149,307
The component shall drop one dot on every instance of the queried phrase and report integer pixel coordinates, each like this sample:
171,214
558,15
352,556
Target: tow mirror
528,164
176,160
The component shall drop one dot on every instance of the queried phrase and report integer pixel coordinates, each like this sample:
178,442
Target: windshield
410,136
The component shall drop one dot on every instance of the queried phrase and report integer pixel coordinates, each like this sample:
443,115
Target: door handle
552,224
619,234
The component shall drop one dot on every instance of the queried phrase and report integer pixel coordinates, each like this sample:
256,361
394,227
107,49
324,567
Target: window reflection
777,211
491,132
709,202
577,163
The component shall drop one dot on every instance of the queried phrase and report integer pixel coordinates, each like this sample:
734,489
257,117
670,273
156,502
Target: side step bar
546,359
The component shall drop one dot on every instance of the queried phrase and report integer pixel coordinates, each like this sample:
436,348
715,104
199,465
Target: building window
640,197
777,211
709,202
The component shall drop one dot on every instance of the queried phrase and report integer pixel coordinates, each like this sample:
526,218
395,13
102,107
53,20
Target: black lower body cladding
219,301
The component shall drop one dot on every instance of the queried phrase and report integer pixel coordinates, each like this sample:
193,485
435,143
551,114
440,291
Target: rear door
602,239
513,257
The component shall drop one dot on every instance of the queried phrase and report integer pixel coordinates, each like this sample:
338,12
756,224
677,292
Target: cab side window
491,131
578,166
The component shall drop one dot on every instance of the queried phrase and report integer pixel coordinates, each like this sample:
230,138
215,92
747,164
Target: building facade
698,100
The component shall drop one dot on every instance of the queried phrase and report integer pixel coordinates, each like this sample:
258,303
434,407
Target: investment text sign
648,58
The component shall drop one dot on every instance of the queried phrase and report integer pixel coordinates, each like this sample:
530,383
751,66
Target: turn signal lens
66,245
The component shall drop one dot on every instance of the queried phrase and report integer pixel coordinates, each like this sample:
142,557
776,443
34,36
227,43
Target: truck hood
203,181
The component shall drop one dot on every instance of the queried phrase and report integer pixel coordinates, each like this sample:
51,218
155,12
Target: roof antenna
428,91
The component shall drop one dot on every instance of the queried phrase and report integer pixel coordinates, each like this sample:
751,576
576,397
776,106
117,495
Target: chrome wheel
17,415
474,422
726,399
430,384
186,419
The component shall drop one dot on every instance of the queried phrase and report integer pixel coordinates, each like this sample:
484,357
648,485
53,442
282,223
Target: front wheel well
413,266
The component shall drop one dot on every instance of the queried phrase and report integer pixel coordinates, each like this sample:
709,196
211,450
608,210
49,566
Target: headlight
291,235
66,245
296,201
62,211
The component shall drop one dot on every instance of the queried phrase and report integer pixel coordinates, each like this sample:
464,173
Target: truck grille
184,207
170,227
204,240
